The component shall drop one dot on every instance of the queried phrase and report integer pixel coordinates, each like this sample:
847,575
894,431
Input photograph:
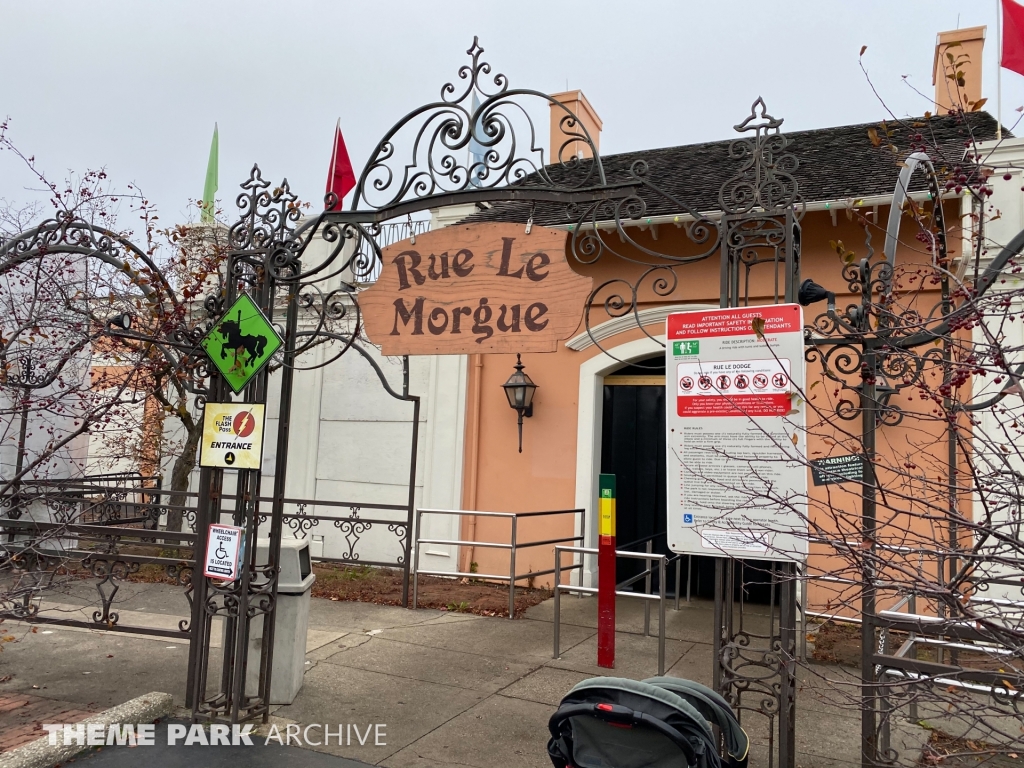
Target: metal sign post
738,485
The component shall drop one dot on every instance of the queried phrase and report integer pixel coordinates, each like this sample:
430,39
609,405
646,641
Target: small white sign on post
737,474
223,552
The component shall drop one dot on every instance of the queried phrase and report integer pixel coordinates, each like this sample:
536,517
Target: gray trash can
295,583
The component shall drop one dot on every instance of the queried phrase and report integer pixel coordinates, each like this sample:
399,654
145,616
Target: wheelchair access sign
223,552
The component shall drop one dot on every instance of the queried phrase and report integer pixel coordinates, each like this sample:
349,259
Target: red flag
340,178
1013,37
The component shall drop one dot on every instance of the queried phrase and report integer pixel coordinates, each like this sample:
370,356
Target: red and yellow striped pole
606,573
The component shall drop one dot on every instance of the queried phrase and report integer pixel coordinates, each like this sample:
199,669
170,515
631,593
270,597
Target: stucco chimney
584,113
967,56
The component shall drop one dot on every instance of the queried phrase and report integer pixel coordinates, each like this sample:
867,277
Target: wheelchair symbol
688,519
221,553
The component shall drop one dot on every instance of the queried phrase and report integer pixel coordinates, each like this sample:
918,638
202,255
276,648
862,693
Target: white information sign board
223,552
737,476
232,435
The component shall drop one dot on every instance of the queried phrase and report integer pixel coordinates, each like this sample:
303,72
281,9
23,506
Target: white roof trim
617,325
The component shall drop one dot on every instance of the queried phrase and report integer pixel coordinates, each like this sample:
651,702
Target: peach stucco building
596,412
600,407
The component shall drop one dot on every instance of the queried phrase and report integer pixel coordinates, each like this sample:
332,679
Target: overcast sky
136,87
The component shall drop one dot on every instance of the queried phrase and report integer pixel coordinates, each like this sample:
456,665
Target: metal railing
936,630
647,574
661,560
513,546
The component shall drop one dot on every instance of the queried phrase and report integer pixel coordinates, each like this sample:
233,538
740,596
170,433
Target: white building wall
1004,220
350,442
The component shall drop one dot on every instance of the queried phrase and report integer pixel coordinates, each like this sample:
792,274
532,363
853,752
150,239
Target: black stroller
662,722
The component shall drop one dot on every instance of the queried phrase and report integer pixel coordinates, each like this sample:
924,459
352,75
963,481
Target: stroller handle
616,714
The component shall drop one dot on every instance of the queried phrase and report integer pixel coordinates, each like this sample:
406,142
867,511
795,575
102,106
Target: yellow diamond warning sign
232,435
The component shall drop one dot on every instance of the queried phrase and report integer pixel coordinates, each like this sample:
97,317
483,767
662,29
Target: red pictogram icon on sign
723,382
686,383
779,380
243,424
741,381
704,382
760,381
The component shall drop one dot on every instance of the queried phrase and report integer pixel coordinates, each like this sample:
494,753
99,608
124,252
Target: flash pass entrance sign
737,477
232,435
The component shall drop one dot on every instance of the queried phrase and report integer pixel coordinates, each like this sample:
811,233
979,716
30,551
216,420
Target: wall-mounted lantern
519,390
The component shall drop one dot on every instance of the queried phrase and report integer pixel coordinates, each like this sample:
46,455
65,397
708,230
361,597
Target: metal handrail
675,557
645,596
512,546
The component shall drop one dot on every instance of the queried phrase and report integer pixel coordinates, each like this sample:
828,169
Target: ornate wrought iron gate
269,259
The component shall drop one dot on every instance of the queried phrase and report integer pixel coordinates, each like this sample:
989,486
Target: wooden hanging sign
475,288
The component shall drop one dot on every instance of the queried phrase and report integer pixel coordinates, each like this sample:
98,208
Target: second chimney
581,109
967,56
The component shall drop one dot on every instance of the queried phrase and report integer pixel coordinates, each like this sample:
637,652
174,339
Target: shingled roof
835,164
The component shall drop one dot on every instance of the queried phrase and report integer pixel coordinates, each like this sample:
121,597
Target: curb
41,754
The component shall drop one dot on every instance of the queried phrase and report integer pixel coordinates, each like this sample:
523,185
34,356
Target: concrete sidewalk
451,689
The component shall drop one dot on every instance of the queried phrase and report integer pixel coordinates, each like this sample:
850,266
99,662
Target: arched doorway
625,413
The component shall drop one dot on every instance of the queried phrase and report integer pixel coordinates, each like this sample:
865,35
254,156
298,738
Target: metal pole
647,591
689,575
912,608
19,465
280,480
558,604
718,630
661,615
582,543
869,736
802,595
207,512
512,573
416,564
412,486
787,638
197,656
679,566
236,689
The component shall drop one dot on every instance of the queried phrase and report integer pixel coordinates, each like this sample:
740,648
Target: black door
633,449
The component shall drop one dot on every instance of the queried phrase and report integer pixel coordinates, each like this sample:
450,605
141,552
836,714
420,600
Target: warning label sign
733,388
737,477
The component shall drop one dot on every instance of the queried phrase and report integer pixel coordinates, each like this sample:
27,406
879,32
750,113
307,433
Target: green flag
210,189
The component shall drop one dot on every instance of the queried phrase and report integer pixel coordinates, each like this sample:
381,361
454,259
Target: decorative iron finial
479,135
771,123
765,181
